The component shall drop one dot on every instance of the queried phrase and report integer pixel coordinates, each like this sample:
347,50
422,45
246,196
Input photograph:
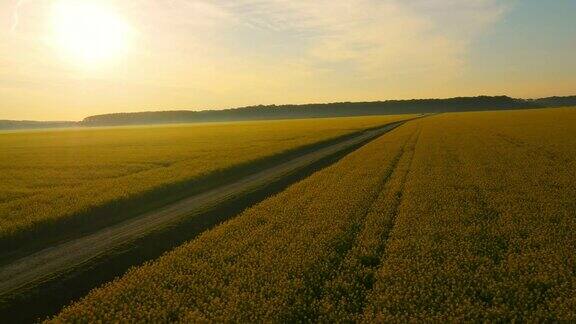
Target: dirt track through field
58,260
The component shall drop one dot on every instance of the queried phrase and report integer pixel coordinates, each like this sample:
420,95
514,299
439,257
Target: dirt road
54,261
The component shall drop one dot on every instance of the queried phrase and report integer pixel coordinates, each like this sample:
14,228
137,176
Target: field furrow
320,285
449,218
268,263
343,296
485,232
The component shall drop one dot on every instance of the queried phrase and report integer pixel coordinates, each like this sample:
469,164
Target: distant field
50,176
455,217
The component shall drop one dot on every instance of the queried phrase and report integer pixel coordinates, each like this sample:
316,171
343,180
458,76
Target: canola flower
486,228
50,176
451,218
270,263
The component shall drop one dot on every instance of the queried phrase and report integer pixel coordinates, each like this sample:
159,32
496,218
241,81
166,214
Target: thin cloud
370,34
238,52
16,15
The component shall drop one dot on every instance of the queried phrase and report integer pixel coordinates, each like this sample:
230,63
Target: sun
88,32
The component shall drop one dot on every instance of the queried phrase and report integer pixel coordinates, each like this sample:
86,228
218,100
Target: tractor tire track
345,295
52,263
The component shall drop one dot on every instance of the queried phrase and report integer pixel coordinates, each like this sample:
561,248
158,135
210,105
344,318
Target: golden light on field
88,32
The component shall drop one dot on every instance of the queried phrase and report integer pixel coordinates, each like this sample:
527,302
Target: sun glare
89,32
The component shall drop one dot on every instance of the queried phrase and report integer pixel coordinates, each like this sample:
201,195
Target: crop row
455,217
50,176
274,262
487,229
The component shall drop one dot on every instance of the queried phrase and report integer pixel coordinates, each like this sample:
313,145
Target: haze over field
64,59
287,161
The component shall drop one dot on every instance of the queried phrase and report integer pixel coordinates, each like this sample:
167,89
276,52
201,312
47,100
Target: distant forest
339,109
29,124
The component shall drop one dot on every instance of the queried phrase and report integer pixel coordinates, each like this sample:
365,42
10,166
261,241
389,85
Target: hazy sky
60,60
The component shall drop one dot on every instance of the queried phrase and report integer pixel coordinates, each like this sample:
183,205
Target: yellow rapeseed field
487,229
455,217
271,262
48,176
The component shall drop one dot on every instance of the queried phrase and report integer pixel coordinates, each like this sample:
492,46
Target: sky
68,59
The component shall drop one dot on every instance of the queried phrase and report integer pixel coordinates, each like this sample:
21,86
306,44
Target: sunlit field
455,217
50,176
274,161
